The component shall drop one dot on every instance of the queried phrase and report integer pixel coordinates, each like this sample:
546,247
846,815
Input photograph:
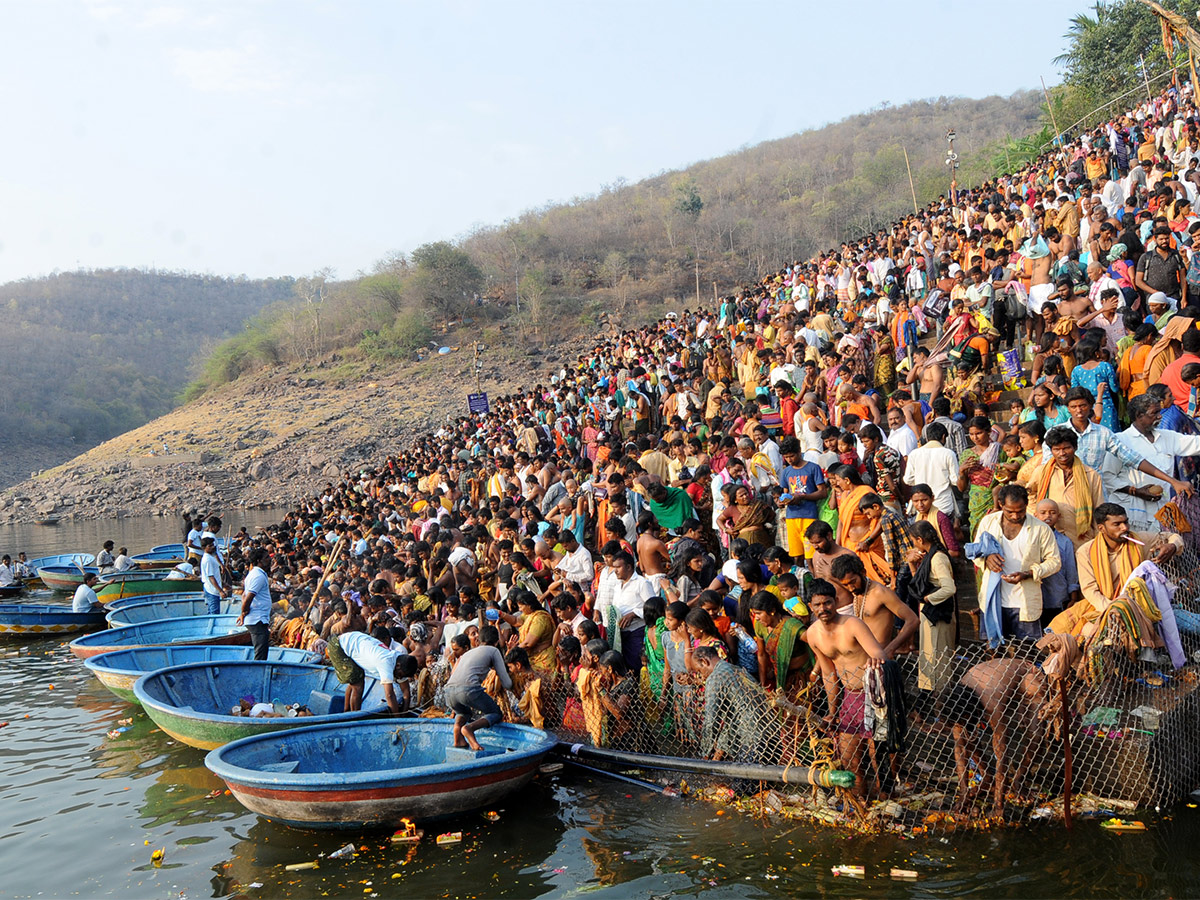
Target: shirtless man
1036,268
845,648
877,605
930,375
825,550
654,559
1006,695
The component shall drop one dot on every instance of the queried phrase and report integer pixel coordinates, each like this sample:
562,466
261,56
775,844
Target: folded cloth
1162,592
989,597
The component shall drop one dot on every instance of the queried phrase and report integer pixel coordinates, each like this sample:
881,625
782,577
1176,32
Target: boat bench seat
285,767
322,703
464,754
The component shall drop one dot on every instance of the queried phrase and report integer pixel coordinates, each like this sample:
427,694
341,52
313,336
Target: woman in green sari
784,659
977,470
654,662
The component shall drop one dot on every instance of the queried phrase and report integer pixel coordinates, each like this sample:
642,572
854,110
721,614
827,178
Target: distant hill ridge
88,355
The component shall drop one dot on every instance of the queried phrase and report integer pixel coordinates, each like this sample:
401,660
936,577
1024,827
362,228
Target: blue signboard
478,403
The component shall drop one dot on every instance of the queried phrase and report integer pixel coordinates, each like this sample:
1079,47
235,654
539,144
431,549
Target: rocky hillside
272,437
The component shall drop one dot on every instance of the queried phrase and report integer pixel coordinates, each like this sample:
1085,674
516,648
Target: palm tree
1081,25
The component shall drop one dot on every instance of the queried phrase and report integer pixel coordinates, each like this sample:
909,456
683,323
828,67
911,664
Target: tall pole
1145,77
1050,106
697,276
911,186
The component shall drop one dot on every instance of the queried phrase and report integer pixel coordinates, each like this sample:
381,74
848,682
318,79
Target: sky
266,138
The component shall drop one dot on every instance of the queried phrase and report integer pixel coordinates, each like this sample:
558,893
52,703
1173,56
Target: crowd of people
769,509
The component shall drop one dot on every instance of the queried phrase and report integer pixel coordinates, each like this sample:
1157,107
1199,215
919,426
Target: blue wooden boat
12,590
150,610
194,703
160,556
162,633
155,598
119,670
66,577
376,772
223,543
62,559
31,619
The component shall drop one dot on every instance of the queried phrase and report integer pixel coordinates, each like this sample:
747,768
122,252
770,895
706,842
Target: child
714,604
1015,408
847,453
789,592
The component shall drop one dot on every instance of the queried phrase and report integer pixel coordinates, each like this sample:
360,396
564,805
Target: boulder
46,506
258,470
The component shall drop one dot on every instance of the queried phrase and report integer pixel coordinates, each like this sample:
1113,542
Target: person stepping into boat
464,691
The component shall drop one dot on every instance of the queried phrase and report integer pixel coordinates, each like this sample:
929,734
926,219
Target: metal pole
1145,78
786,775
1066,724
911,186
1050,106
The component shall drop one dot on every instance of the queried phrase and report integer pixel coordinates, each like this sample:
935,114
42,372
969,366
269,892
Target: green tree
446,278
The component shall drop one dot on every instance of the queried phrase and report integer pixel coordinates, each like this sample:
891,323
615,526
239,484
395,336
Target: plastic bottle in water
342,852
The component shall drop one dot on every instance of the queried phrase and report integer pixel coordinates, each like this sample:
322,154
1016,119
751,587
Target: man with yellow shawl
1066,480
1105,563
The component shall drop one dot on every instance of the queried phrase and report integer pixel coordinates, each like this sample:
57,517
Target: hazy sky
271,138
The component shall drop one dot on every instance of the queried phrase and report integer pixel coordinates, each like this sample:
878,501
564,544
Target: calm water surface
80,813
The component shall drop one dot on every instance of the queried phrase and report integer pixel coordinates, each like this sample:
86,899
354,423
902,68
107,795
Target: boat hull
31,620
150,610
319,777
64,578
62,559
192,703
163,633
124,602
144,587
120,670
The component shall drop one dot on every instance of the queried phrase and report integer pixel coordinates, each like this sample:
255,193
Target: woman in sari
535,630
854,525
977,470
1131,373
1030,434
677,647
784,660
745,517
654,660
931,590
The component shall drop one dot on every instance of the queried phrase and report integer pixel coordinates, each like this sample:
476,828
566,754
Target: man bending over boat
464,691
354,653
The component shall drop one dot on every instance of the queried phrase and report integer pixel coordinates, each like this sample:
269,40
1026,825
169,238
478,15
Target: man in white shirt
629,597
354,654
933,464
7,579
575,565
85,599
123,563
256,604
104,559
1143,495
210,578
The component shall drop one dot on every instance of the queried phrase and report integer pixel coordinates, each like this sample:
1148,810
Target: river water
81,813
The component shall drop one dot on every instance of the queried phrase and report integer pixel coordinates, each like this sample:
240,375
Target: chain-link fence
985,743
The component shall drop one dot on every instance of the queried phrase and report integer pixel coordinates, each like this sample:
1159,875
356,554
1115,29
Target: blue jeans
469,701
1013,627
213,603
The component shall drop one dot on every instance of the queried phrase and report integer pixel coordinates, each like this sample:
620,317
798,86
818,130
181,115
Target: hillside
726,220
270,437
85,356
